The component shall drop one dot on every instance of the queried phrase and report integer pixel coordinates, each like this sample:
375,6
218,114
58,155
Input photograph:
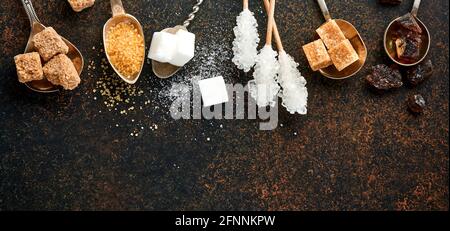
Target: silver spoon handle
28,6
191,16
324,8
415,8
117,7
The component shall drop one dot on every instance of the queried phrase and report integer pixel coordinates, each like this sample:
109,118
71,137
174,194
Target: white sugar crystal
246,41
213,90
185,48
264,89
294,93
163,46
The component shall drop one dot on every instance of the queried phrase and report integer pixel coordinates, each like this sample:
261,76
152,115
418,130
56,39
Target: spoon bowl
44,86
119,16
355,39
166,70
389,45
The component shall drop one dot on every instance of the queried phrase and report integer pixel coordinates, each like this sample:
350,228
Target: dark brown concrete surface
355,150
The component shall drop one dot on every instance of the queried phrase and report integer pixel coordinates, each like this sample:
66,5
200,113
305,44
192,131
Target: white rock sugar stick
246,39
294,93
263,88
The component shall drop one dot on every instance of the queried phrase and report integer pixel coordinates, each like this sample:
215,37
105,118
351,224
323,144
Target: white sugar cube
213,90
163,47
185,48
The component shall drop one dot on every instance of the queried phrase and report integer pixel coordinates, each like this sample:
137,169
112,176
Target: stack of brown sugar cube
58,68
332,48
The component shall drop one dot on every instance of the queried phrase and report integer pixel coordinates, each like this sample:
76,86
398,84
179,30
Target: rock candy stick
294,92
264,88
246,39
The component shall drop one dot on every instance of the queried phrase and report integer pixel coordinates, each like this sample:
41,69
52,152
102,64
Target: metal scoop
44,86
389,45
357,42
167,70
120,16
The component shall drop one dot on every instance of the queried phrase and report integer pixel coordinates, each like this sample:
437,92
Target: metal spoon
356,40
166,70
389,45
44,86
120,16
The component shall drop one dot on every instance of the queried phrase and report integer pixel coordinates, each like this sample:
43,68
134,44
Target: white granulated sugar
264,88
179,91
208,62
294,93
246,41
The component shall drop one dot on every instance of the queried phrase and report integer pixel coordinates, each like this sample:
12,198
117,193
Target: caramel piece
408,47
61,71
408,38
317,55
79,5
384,77
416,104
331,34
409,23
419,73
343,55
29,67
48,43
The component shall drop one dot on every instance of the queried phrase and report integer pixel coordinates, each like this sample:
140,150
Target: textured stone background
355,150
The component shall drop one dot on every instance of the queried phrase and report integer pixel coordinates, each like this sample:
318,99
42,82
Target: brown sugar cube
343,55
61,71
79,5
48,43
331,34
29,67
317,55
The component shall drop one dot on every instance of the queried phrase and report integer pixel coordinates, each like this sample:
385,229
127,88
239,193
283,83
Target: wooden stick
275,28
270,23
245,4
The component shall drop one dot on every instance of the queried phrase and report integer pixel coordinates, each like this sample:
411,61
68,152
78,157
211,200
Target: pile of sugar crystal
294,93
246,41
264,89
